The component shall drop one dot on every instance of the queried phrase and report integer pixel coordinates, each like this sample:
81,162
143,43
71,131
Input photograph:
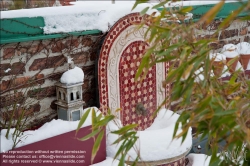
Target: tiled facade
119,59
132,92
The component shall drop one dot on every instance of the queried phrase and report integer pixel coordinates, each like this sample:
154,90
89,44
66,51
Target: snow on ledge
48,130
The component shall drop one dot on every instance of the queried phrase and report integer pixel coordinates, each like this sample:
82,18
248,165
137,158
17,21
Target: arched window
64,96
59,96
77,95
71,96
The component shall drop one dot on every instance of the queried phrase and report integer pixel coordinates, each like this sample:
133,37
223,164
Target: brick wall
238,31
29,71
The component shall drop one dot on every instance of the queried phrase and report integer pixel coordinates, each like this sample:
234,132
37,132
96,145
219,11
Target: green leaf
176,127
131,143
94,119
125,129
139,2
104,121
92,134
109,111
144,11
124,136
184,137
97,145
231,17
144,64
209,16
83,119
122,161
226,112
186,9
98,118
135,162
160,4
121,149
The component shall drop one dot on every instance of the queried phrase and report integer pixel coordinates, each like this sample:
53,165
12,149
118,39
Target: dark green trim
227,9
27,29
42,37
199,10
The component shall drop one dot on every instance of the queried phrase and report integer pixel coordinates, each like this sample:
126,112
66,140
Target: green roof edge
42,37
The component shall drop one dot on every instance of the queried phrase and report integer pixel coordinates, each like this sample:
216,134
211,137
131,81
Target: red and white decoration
119,59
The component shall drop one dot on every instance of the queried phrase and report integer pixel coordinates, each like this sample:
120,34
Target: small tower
69,99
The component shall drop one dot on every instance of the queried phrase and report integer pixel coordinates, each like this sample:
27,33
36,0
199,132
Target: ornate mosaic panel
180,162
133,93
123,37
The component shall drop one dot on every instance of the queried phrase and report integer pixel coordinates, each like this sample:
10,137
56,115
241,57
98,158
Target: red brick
93,83
248,23
247,39
17,68
20,110
45,63
58,46
53,105
214,25
85,84
3,68
4,85
243,31
82,57
235,41
93,56
21,51
87,96
34,108
228,33
8,100
89,70
22,82
75,42
217,45
8,53
55,76
33,49
42,92
87,41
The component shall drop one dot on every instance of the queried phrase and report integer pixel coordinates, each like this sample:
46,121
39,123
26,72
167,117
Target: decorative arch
123,37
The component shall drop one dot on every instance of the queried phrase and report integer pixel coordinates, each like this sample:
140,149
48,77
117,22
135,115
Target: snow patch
154,143
217,57
72,76
198,160
48,130
230,51
243,48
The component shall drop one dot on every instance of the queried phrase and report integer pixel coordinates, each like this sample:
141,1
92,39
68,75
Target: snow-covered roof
84,18
87,15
